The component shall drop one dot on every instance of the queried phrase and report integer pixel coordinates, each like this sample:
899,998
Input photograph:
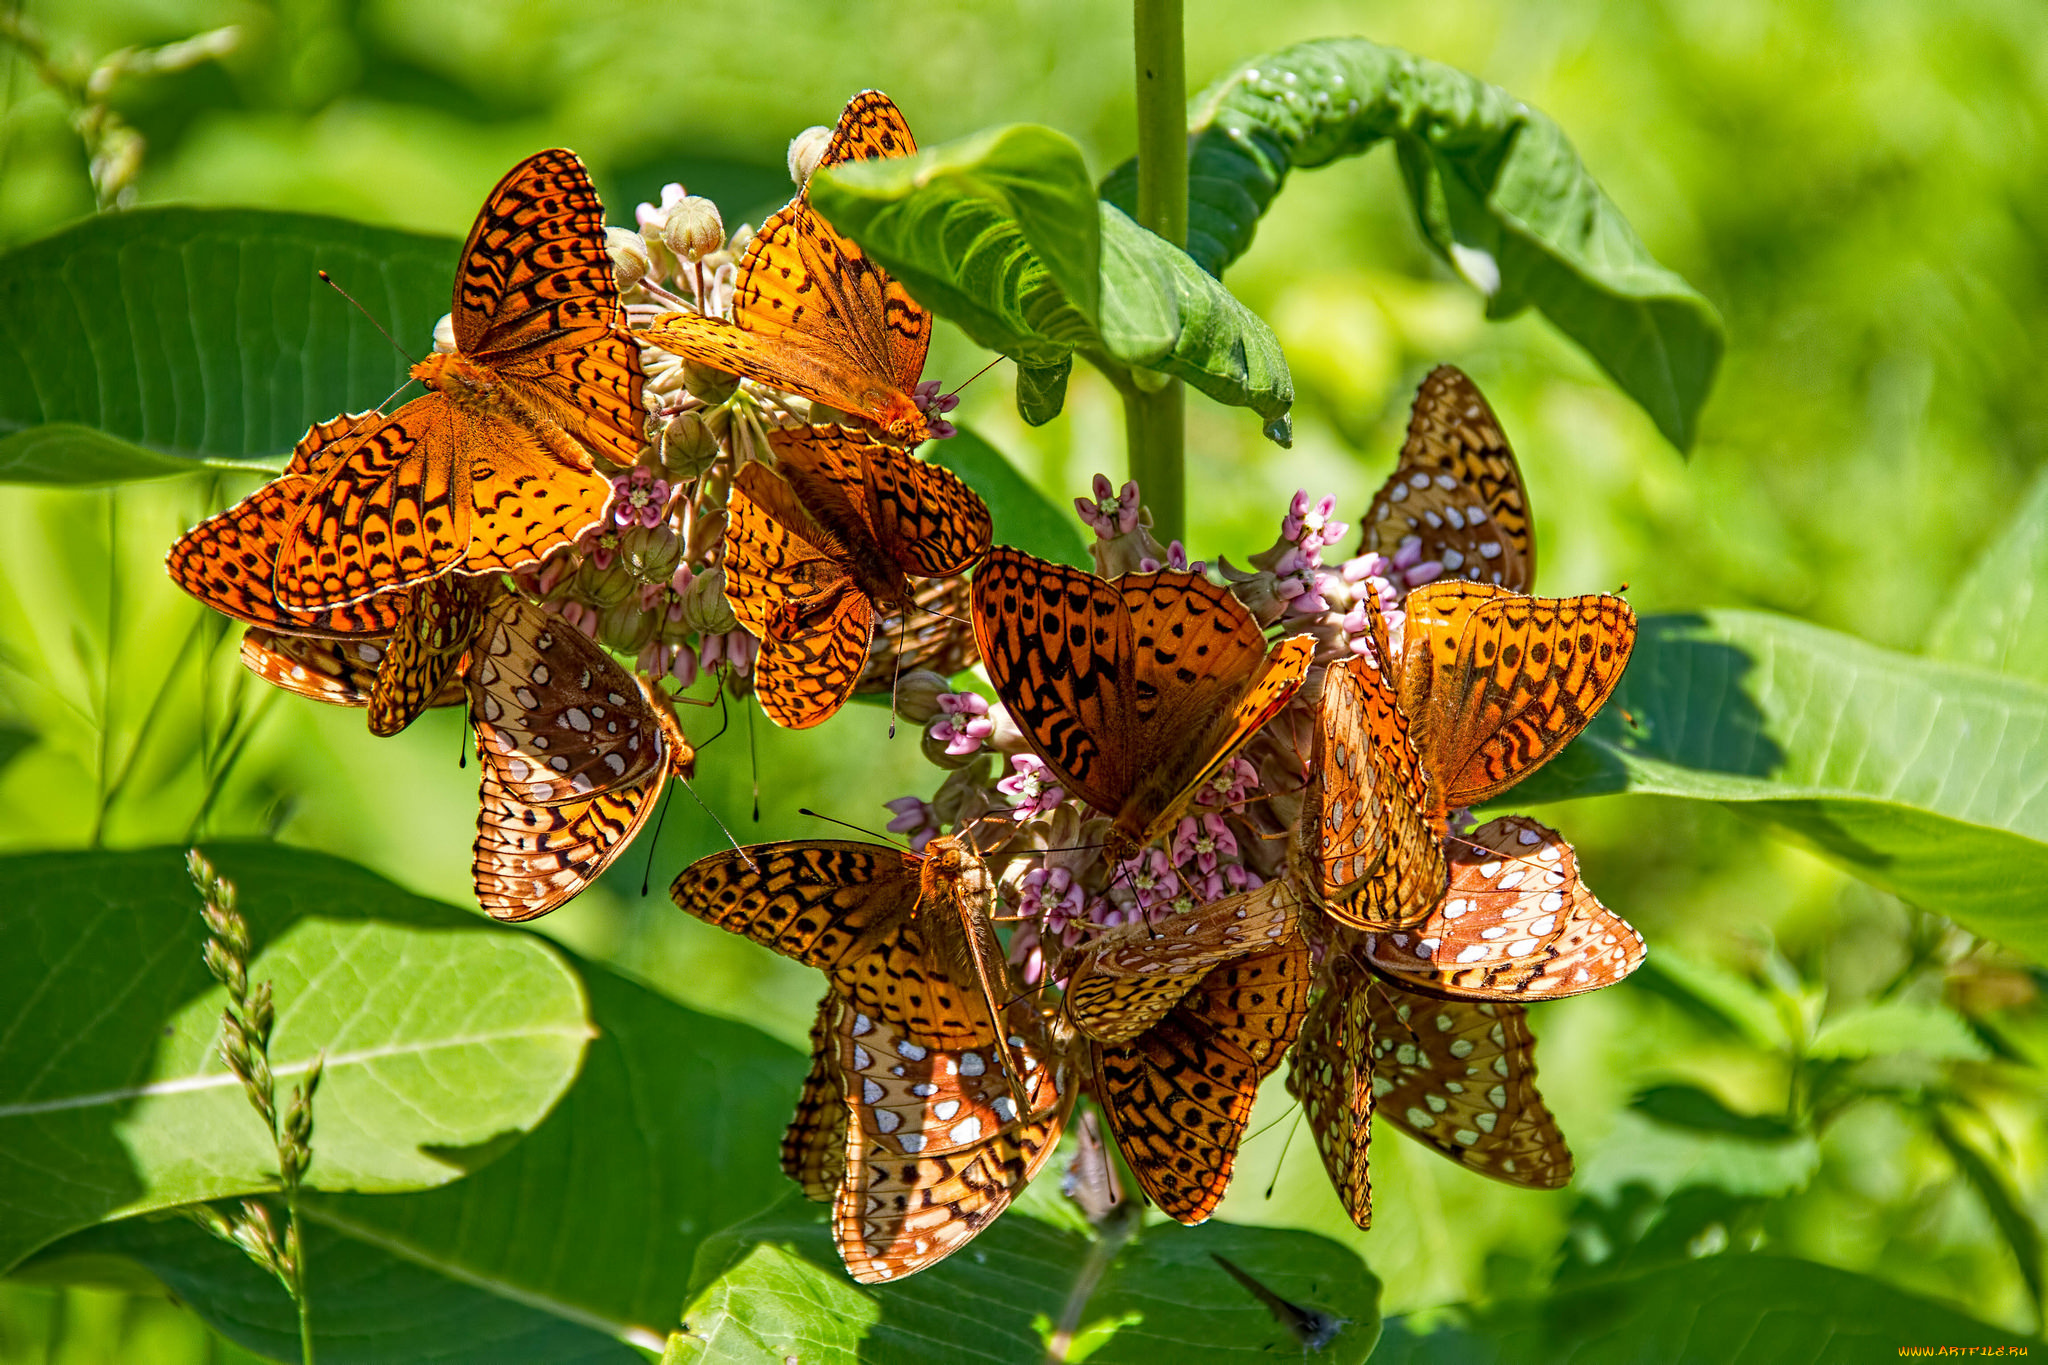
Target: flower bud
444,335
705,610
711,386
603,587
806,150
650,553
963,796
918,693
624,626
941,748
630,262
693,229
687,447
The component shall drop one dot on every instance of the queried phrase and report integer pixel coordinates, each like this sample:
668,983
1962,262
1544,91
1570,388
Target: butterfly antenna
721,825
660,819
329,281
468,726
846,824
902,639
1291,1129
979,373
754,762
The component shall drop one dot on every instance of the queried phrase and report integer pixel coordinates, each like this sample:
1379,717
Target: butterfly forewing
1457,489
340,672
1330,1071
1178,1096
1460,1077
1131,975
1516,924
1494,684
936,1141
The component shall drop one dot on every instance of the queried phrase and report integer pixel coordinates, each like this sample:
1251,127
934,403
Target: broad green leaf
1024,517
1878,1030
1715,994
1998,616
205,333
13,740
2015,1224
1664,1158
1921,777
1688,1106
1497,189
1729,1308
441,1033
774,1288
589,1225
73,456
1002,233
1042,391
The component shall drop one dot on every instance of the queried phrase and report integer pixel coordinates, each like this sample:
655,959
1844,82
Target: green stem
299,1299
1154,422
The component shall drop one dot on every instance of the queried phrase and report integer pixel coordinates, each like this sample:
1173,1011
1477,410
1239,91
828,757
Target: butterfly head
454,374
900,418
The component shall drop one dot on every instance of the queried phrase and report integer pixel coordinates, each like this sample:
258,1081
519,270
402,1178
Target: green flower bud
687,447
630,261
917,695
963,796
705,610
711,386
650,552
934,751
625,627
603,587
693,229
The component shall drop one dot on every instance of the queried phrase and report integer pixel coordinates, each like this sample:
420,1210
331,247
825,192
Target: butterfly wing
822,902
1457,489
1178,1096
319,668
1058,645
938,636
1516,924
440,620
1330,1071
1133,974
1495,684
956,919
229,561
814,1144
1460,1078
929,522
532,859
936,1145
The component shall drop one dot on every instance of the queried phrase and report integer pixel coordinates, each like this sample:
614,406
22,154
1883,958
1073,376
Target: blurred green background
1862,189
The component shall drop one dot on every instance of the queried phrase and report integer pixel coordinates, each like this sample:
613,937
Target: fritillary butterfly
934,633
1516,924
811,314
339,672
811,552
1457,489
1494,684
1330,1072
492,469
1178,1096
1134,691
814,1144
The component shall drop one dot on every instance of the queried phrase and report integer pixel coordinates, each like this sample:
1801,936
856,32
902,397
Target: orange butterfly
1516,924
812,315
494,468
1457,489
811,553
395,653
1132,692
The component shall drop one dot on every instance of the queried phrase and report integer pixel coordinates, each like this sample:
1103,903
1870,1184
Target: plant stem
298,1249
1154,422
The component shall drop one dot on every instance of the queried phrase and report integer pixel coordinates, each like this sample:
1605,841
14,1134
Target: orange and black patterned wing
872,128
556,718
229,561
1365,846
1517,923
928,521
440,620
823,902
1457,489
1494,684
936,1142
1178,1097
1460,1077
1330,1071
1131,975
319,668
814,1144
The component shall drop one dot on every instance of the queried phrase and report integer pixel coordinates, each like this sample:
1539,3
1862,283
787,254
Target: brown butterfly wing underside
1494,684
339,672
1330,1071
936,1142
934,633
573,752
1364,845
439,621
1178,1096
812,315
1460,1078
494,468
229,561
1132,692
814,1144
1131,975
1458,489
1517,923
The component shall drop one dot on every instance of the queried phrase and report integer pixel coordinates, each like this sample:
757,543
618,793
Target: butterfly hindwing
1330,1071
440,620
1457,489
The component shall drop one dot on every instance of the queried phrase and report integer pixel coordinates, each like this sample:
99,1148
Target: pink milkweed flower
1031,786
735,649
934,405
639,498
1203,840
1111,513
1413,569
1229,786
1150,875
914,817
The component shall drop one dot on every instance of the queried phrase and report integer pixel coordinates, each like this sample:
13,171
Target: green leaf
1920,777
1024,517
1002,233
1714,994
441,1034
1664,1158
591,1222
204,333
1718,1308
774,1288
65,454
1042,391
1497,188
14,739
1891,1026
1688,1106
2015,1224
1998,616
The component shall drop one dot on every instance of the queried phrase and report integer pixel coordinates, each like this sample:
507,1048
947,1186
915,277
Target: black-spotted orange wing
1330,1072
1131,691
1177,1097
1457,489
495,468
812,315
438,622
1494,684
